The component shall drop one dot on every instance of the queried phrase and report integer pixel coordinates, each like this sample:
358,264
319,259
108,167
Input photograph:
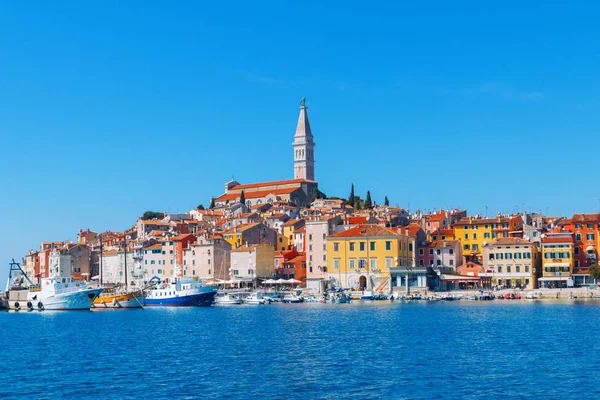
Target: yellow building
557,260
472,233
361,257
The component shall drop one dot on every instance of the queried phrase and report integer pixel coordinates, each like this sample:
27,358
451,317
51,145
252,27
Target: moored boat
60,291
292,298
131,299
182,292
228,299
256,298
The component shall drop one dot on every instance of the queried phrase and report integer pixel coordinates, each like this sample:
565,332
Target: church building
298,190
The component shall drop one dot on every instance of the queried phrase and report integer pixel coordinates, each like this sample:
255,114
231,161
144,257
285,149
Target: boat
292,298
60,291
256,298
311,298
531,296
118,297
179,292
228,299
337,297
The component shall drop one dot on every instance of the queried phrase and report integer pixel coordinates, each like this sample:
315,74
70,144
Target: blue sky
112,108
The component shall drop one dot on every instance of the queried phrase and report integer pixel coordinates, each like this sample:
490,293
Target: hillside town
290,230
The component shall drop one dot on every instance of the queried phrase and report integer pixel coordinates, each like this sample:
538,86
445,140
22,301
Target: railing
546,273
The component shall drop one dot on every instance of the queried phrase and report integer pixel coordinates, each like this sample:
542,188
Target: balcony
546,273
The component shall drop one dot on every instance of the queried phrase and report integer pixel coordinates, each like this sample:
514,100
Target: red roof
272,183
557,240
437,217
357,220
256,195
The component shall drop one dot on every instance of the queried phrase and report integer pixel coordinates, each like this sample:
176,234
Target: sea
375,350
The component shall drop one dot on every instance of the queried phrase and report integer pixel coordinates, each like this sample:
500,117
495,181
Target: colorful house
557,260
362,257
512,262
585,249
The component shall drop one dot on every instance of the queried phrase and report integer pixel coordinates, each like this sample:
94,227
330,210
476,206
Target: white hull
81,300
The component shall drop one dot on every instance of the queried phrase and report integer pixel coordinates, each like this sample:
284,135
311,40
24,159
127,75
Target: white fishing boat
60,291
228,299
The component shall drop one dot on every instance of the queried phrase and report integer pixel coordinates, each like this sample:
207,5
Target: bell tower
304,147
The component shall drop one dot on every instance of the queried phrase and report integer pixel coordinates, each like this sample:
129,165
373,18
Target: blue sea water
437,350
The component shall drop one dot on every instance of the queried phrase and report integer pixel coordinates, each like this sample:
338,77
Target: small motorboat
256,298
292,298
228,299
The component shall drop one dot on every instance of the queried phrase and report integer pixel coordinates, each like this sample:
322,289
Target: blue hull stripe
196,300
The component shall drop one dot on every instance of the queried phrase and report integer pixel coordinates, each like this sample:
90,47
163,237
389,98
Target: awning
590,248
555,278
445,278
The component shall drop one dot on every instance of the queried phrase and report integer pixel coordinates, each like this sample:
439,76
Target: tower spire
304,162
303,127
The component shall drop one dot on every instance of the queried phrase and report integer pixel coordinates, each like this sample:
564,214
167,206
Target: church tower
304,147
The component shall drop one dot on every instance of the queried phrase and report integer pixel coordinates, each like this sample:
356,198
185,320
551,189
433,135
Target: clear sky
111,108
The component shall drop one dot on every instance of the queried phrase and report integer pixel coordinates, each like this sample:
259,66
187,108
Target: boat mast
125,255
100,235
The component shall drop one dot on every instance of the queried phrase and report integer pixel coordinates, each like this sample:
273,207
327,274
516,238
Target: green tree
315,195
368,203
153,215
212,203
242,198
200,207
594,272
386,202
351,199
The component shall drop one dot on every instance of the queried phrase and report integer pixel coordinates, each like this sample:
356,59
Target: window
324,257
475,226
430,251
578,226
362,263
388,246
589,236
451,262
576,250
499,270
351,245
451,251
578,236
527,255
388,262
310,236
362,246
508,269
474,236
466,247
373,262
310,247
518,268
439,262
145,261
421,262
485,226
324,247
438,251
352,263
475,247
421,252
310,257
491,256
466,226
486,235
410,247
336,246
372,244
508,256
590,226
527,268
517,256
466,236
